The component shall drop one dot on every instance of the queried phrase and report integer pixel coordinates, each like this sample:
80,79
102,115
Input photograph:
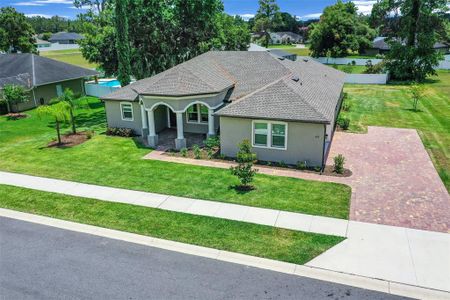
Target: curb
358,281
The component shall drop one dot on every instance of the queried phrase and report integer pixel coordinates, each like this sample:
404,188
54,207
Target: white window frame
199,115
269,134
122,104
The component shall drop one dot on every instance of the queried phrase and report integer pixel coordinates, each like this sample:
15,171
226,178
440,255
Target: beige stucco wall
304,141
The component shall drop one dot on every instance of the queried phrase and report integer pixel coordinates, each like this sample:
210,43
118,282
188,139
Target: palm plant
60,111
69,98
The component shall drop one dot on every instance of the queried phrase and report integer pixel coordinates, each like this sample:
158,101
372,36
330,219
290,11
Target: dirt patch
329,171
16,116
70,139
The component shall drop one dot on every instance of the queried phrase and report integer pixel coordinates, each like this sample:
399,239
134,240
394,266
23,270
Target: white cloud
246,17
311,16
38,15
28,4
364,6
43,2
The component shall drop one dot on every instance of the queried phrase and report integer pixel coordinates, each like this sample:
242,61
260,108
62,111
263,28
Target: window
270,134
197,113
59,90
127,111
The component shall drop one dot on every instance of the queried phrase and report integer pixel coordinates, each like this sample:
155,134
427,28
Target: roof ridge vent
295,78
305,60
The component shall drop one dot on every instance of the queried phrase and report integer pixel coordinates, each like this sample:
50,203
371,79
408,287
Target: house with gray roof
66,38
287,109
380,45
42,77
285,37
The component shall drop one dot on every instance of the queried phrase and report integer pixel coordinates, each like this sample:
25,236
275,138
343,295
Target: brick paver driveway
394,181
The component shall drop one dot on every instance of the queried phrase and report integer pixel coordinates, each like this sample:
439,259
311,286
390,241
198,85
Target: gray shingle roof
65,36
260,85
313,98
40,69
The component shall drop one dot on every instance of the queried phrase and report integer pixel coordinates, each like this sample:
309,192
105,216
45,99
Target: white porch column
211,129
180,141
152,137
144,117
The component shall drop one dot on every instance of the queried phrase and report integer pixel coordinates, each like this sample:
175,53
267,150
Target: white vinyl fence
443,64
97,90
367,78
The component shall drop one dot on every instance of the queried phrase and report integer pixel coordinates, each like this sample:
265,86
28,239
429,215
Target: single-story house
380,46
42,77
285,37
287,109
66,38
41,43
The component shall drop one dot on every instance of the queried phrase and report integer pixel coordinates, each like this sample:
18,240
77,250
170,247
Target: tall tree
17,34
421,23
122,43
339,31
267,17
94,5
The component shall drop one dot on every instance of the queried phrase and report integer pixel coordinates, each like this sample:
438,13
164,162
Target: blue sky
305,9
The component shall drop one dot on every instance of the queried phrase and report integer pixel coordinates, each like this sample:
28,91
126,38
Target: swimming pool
114,82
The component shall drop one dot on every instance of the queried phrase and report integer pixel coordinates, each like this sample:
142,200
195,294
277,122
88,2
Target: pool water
110,83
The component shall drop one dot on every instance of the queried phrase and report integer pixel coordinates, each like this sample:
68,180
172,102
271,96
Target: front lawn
391,106
350,69
257,240
117,162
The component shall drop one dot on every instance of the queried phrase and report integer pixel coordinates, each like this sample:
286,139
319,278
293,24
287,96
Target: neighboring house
66,38
42,44
42,77
285,38
287,109
380,46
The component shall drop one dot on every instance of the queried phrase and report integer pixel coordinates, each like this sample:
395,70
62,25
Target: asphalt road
40,262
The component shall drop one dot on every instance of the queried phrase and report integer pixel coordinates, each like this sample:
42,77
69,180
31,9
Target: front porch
167,137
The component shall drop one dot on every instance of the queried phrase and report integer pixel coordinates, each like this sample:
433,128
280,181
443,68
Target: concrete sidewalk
256,215
404,255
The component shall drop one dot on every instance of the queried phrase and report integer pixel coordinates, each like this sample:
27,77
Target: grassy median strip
117,162
257,240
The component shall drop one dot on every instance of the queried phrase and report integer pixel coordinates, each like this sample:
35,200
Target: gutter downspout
323,148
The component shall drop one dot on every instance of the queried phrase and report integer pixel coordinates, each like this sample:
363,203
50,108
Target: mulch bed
328,171
16,116
70,139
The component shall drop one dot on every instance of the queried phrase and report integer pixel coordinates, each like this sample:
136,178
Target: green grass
292,49
117,162
70,56
257,240
353,70
391,106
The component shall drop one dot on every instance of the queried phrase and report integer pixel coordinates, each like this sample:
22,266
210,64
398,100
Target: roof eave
271,118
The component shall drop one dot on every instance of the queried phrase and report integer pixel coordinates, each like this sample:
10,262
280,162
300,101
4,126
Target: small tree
416,92
339,162
69,98
244,170
59,111
13,94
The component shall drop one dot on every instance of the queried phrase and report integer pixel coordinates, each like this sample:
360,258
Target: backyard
115,161
391,106
70,56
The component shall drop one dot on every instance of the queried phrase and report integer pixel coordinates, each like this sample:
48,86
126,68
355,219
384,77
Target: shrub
282,164
317,168
339,161
184,152
210,153
89,134
244,170
301,165
123,132
374,69
344,123
197,152
212,142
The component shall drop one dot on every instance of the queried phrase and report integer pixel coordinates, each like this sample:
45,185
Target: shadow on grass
241,190
413,110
